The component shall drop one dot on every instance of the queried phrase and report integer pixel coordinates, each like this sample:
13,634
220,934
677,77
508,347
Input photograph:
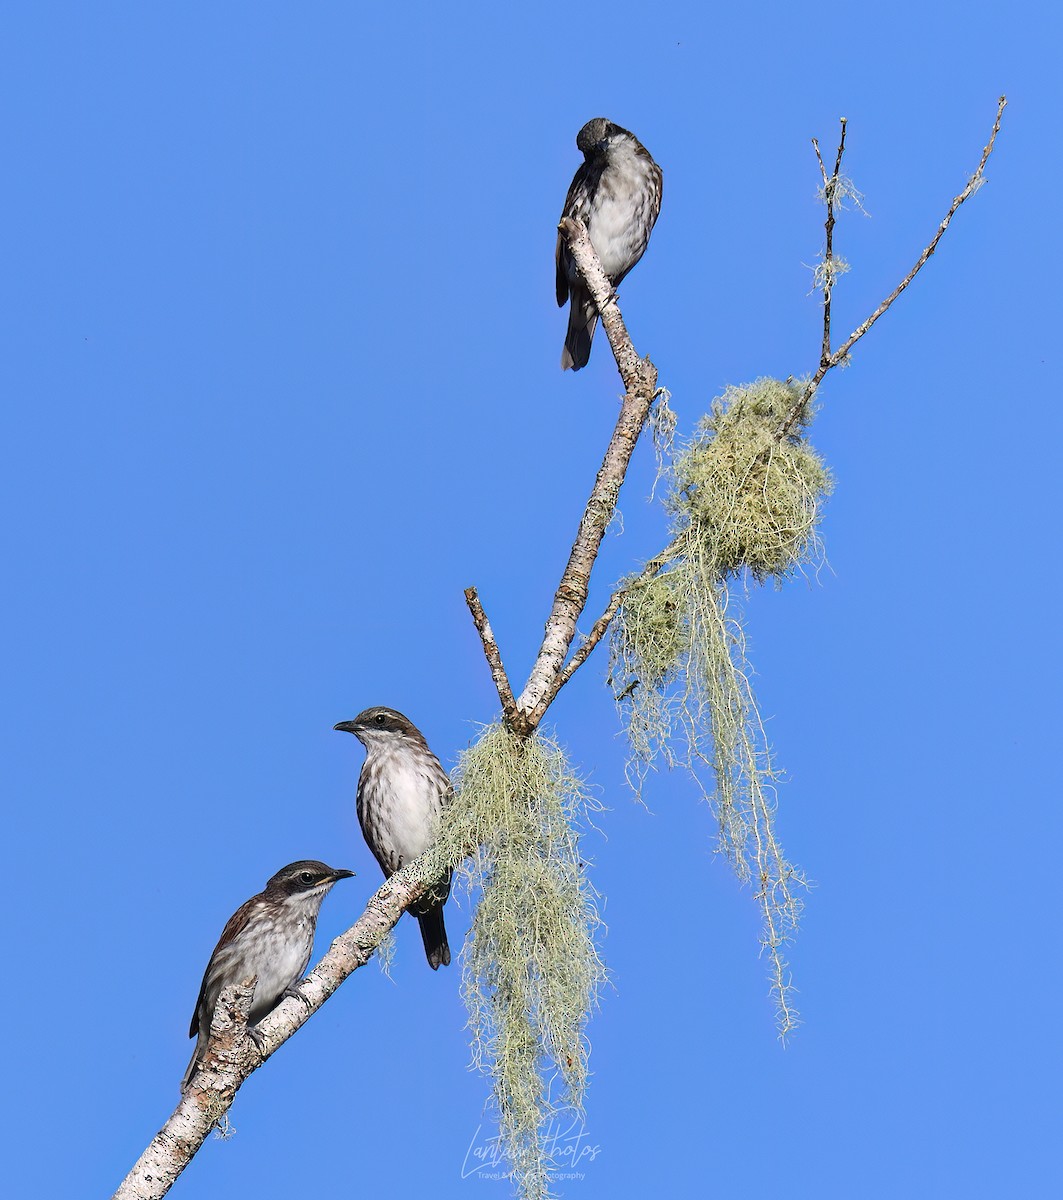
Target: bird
402,791
270,937
616,193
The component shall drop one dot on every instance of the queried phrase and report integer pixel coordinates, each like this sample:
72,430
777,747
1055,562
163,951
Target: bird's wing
442,781
658,190
209,988
561,259
575,201
446,794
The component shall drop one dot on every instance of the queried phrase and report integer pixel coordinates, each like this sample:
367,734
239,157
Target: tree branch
493,655
599,628
233,1055
830,191
640,381
830,360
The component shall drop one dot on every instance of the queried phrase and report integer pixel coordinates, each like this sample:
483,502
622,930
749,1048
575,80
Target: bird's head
305,876
379,724
593,139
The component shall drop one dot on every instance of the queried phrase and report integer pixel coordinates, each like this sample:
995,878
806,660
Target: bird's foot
295,992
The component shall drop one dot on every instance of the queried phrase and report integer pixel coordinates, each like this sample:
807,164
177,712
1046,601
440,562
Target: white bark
640,380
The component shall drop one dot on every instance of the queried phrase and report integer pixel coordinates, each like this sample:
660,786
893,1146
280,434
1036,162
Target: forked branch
548,675
601,626
830,195
551,671
829,360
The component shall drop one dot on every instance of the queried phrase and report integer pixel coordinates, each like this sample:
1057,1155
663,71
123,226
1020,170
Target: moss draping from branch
744,504
531,969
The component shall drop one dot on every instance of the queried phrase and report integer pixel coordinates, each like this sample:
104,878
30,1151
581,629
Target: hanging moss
741,502
531,969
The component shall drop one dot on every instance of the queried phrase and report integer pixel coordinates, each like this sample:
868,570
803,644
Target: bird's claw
295,992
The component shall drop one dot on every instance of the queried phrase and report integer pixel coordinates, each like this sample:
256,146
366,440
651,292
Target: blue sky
280,361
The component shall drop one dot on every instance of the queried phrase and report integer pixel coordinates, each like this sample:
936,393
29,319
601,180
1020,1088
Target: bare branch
819,158
831,360
830,191
232,1055
841,150
493,655
640,380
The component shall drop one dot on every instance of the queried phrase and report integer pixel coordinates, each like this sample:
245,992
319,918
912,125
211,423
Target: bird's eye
307,877
379,718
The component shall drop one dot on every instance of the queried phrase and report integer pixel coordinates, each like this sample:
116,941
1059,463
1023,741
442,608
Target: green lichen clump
531,967
654,629
743,497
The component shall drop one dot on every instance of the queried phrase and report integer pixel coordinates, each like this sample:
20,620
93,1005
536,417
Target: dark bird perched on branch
270,937
616,193
401,793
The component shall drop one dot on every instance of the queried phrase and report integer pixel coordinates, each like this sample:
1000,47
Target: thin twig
600,627
493,654
830,190
822,168
842,353
841,149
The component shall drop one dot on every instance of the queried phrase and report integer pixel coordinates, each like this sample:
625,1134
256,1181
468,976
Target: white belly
404,818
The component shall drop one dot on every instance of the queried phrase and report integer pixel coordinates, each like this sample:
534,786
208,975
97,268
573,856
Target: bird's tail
434,935
582,320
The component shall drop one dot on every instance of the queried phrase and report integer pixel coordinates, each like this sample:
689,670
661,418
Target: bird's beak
339,873
347,727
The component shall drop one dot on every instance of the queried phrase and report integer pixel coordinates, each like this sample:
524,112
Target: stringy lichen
743,503
531,969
